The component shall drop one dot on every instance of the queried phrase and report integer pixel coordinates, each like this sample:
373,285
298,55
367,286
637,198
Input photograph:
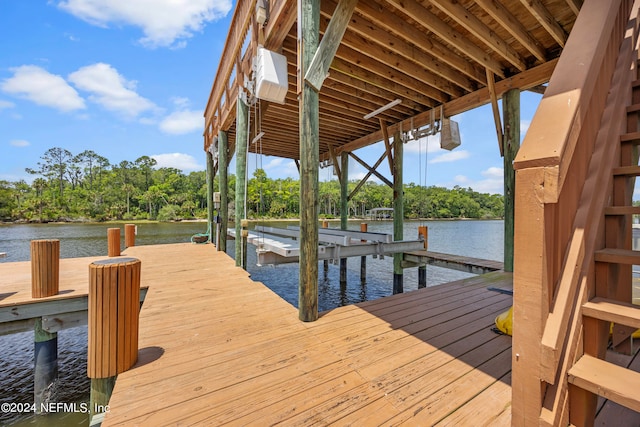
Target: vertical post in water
511,144
423,233
325,263
223,182
398,210
344,206
308,39
129,235
242,132
363,259
210,196
245,235
113,242
45,282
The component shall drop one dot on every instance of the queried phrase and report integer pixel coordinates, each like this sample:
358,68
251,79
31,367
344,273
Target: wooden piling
242,120
511,145
113,242
344,206
223,182
114,305
45,268
398,210
325,263
209,195
423,233
363,259
245,235
129,235
45,282
309,117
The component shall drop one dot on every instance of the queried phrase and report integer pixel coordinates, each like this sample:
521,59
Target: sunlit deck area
216,347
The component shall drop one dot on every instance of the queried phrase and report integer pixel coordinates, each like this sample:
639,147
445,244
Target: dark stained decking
216,348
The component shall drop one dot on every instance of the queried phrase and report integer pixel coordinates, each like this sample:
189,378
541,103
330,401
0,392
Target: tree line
87,186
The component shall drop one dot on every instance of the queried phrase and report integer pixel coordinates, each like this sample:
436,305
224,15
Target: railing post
113,242
45,282
114,305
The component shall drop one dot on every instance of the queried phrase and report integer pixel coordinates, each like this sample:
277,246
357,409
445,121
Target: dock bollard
423,231
113,242
45,282
114,306
129,235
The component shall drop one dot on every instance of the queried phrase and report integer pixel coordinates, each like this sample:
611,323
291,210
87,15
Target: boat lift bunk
280,245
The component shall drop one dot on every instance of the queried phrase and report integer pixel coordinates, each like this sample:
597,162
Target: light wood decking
216,347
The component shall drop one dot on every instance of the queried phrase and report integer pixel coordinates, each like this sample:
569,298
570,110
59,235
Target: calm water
481,239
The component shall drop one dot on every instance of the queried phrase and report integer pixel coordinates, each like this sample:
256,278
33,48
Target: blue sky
131,78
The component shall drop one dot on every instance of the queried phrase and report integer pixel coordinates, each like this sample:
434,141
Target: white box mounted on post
450,134
271,76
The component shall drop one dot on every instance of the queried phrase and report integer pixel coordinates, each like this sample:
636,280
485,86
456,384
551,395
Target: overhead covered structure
428,53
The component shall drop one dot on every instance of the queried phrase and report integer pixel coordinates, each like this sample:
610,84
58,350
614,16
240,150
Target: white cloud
524,127
19,143
38,85
6,104
181,161
165,23
431,144
493,182
110,89
451,156
181,122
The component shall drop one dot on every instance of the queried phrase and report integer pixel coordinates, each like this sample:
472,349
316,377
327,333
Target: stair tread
627,170
622,210
607,380
620,256
613,311
633,108
632,137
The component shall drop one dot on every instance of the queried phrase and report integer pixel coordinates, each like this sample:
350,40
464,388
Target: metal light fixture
383,108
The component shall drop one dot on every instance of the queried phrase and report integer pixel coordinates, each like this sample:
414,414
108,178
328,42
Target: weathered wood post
511,144
423,232
129,235
210,195
245,235
398,210
114,305
242,122
325,263
113,242
363,259
45,282
308,38
223,182
344,206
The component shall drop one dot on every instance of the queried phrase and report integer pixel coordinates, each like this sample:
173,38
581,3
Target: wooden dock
454,262
217,347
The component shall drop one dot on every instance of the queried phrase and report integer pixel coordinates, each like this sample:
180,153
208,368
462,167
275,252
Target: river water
480,239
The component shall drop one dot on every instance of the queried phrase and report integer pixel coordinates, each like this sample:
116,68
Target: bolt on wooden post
114,306
45,282
113,242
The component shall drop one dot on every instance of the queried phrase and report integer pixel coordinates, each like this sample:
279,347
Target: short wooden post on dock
245,235
363,259
114,305
423,233
113,242
45,282
129,235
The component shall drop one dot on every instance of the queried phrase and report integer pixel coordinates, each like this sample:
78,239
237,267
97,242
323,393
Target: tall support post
325,224
223,182
423,232
398,210
344,206
210,195
511,144
363,259
308,38
242,121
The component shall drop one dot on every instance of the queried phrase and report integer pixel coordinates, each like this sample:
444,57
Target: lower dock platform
218,348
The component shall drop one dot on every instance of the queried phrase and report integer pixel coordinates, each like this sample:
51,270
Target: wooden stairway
611,300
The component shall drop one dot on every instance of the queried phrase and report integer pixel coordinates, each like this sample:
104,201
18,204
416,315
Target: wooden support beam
387,144
366,177
398,210
319,66
511,106
546,20
223,183
494,107
242,122
334,160
308,35
373,170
